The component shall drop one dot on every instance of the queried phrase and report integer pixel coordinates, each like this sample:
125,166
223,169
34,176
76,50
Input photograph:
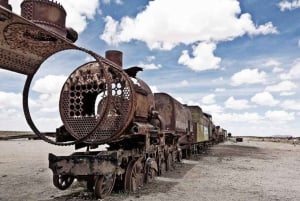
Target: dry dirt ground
249,170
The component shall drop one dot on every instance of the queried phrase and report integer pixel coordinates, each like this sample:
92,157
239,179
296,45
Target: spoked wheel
62,182
134,176
170,162
104,185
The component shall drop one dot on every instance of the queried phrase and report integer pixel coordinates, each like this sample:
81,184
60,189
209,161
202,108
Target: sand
250,170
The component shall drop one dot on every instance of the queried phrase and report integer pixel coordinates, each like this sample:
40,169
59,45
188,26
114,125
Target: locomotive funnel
115,56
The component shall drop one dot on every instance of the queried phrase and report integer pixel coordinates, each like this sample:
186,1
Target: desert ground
248,170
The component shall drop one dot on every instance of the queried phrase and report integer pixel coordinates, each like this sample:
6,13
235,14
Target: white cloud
264,98
150,58
184,83
203,57
279,115
290,93
116,1
150,66
10,100
211,109
299,43
248,76
277,70
232,103
294,72
291,105
165,24
154,89
220,89
289,5
272,63
50,84
209,99
282,86
78,12
235,117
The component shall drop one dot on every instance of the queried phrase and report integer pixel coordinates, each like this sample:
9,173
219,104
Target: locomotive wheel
104,185
134,176
62,182
170,162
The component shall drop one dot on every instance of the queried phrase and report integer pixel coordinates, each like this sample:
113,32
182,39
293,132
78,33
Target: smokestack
5,4
115,56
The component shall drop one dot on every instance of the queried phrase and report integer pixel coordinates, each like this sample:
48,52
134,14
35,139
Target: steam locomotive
101,103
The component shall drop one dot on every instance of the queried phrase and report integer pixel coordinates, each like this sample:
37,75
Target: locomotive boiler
100,103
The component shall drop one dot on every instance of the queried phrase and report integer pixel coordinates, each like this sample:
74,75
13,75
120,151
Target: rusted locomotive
101,103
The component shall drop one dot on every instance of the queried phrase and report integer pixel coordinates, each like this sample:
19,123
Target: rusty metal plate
99,96
24,45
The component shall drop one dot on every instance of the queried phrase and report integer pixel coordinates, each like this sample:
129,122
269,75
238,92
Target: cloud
154,89
209,99
203,57
232,103
289,5
248,76
290,93
294,72
211,108
78,12
184,83
272,63
264,98
291,105
165,24
149,66
282,86
150,58
235,117
279,115
220,89
10,100
299,43
49,84
116,1
277,70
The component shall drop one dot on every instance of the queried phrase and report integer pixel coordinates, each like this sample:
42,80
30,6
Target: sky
237,60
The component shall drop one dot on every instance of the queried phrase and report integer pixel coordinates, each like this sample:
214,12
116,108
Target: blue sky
238,60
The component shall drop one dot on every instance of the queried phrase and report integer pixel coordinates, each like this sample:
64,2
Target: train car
201,131
177,120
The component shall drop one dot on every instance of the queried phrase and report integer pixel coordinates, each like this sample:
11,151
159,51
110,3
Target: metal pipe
115,56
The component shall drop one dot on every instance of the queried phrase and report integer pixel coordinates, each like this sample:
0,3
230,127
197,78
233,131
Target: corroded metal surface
177,118
115,56
47,14
5,4
101,96
24,46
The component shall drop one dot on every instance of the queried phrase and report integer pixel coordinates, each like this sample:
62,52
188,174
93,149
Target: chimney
115,56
